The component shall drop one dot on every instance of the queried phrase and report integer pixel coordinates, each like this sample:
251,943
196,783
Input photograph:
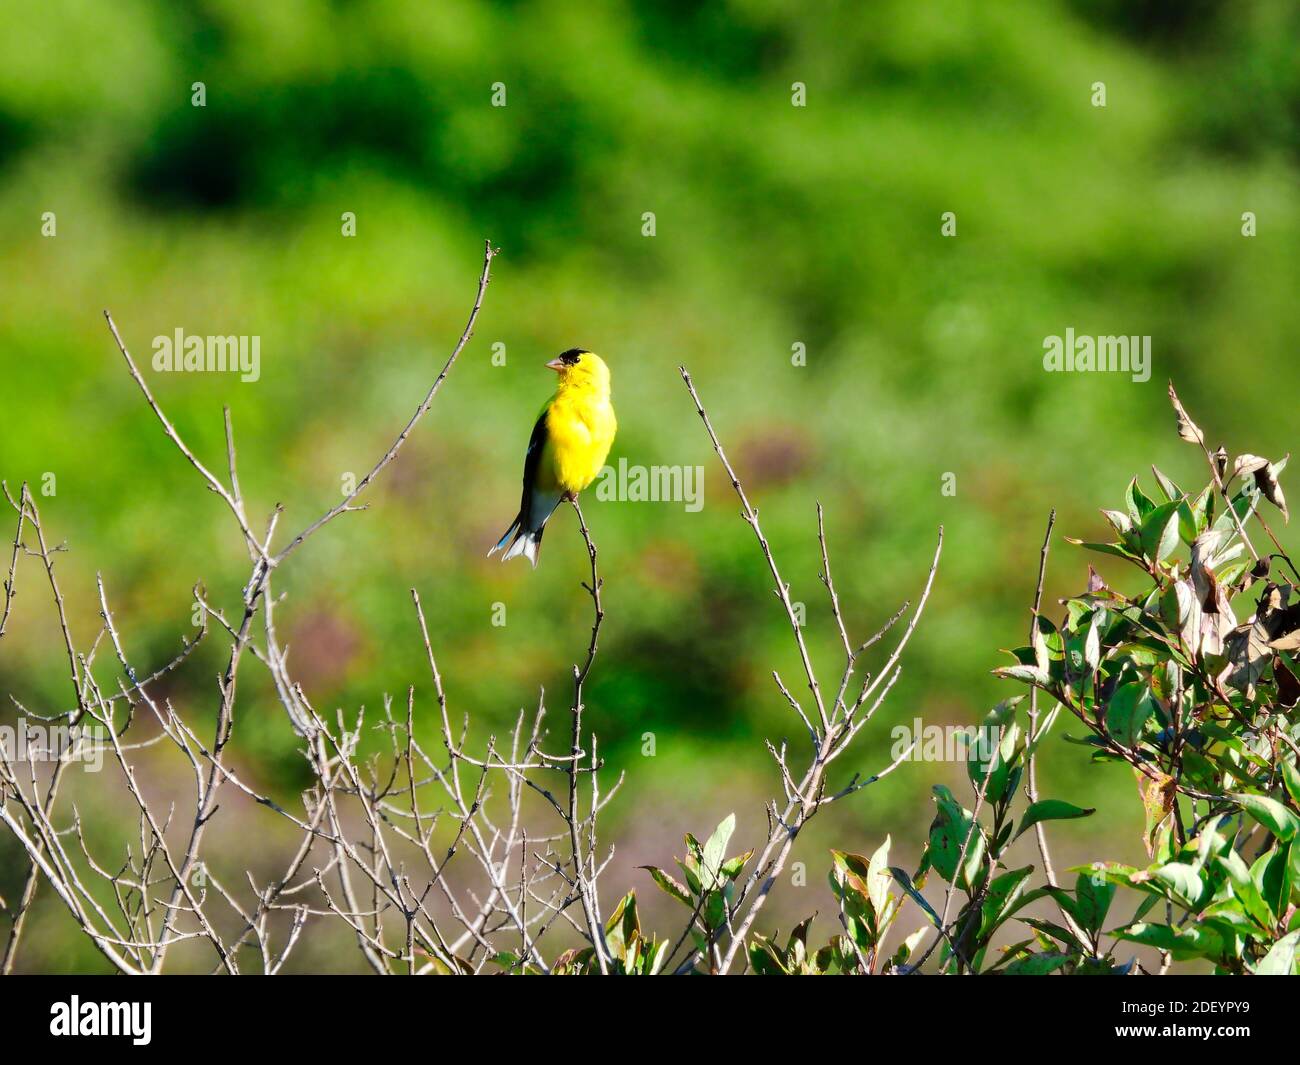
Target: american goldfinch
572,436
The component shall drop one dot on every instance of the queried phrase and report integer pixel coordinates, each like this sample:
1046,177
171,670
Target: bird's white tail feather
502,542
527,544
526,538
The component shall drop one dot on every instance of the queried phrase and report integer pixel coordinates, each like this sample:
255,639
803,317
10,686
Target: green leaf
1139,506
715,849
1092,642
1209,842
1243,887
715,909
1191,942
1029,674
1046,642
658,955
1160,531
732,866
766,957
1228,918
1038,964
1291,777
994,756
1121,523
623,926
1050,810
1188,526
905,882
1001,896
1128,710
878,878
1055,931
905,949
1183,882
1058,895
1171,490
1281,960
1270,813
948,834
692,877
1202,509
1106,549
1272,877
848,880
1093,895
670,886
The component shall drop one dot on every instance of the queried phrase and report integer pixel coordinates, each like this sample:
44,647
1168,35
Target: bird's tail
519,540
524,537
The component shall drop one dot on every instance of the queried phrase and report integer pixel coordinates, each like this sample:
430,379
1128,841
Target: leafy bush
1199,703
1190,678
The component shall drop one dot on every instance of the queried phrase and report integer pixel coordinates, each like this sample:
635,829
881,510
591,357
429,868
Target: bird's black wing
536,443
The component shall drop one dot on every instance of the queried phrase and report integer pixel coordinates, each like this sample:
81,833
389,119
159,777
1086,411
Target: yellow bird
568,447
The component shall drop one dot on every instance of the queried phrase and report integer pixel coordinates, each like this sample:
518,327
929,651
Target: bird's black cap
570,357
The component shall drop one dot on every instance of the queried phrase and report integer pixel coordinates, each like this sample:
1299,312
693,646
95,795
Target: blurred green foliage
775,225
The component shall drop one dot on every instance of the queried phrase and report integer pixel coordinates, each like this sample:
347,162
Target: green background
775,225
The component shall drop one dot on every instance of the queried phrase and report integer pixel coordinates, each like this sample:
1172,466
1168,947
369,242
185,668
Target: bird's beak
556,365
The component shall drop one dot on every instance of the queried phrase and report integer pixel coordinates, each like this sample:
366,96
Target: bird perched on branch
572,436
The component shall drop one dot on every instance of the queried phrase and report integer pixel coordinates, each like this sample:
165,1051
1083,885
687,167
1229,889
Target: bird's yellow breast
580,428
